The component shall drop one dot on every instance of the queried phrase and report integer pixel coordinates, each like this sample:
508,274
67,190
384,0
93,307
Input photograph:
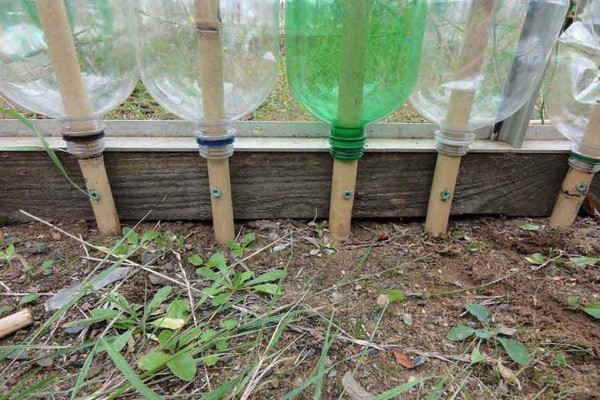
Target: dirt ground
349,288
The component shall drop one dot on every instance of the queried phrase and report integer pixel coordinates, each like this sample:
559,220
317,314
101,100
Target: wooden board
281,185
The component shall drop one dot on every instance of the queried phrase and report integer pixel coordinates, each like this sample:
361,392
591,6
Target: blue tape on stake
215,143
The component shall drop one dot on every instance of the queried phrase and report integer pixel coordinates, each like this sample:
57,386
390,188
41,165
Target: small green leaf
153,361
164,339
131,236
158,299
183,366
457,235
10,251
26,268
593,309
581,262
536,259
486,333
233,245
196,261
238,281
149,236
573,303
270,276
515,349
220,299
118,343
248,239
176,317
222,345
479,311
229,324
395,296
531,227
218,261
460,333
207,335
269,288
5,309
476,356
31,297
210,360
47,264
208,273
179,309
560,360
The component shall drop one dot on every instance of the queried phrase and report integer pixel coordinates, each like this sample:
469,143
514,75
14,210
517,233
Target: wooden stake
342,198
210,79
576,185
15,322
442,193
470,62
221,200
65,63
350,111
96,182
570,198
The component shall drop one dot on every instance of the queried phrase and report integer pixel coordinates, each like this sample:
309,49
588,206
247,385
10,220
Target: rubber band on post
347,143
453,146
583,163
85,144
216,146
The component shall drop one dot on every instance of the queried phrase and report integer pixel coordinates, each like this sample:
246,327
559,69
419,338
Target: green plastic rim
347,143
590,160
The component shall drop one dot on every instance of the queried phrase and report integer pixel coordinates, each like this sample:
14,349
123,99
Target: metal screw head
348,194
215,192
445,195
94,195
581,187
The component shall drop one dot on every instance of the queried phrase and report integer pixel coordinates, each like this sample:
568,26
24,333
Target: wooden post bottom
442,194
97,184
15,322
221,199
343,190
572,193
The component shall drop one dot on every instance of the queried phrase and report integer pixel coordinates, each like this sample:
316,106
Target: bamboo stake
15,322
65,63
210,79
350,110
470,62
577,183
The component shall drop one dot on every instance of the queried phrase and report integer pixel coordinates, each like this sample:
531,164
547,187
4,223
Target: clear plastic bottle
474,73
573,91
208,61
104,61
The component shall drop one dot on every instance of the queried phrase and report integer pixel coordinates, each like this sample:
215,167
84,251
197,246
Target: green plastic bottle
352,62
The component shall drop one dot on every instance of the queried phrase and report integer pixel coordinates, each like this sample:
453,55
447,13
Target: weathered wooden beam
173,185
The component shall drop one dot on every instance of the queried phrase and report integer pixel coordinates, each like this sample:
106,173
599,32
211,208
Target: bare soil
483,261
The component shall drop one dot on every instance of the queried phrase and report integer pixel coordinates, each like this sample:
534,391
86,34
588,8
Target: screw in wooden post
101,197
343,191
572,194
15,322
442,194
221,199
